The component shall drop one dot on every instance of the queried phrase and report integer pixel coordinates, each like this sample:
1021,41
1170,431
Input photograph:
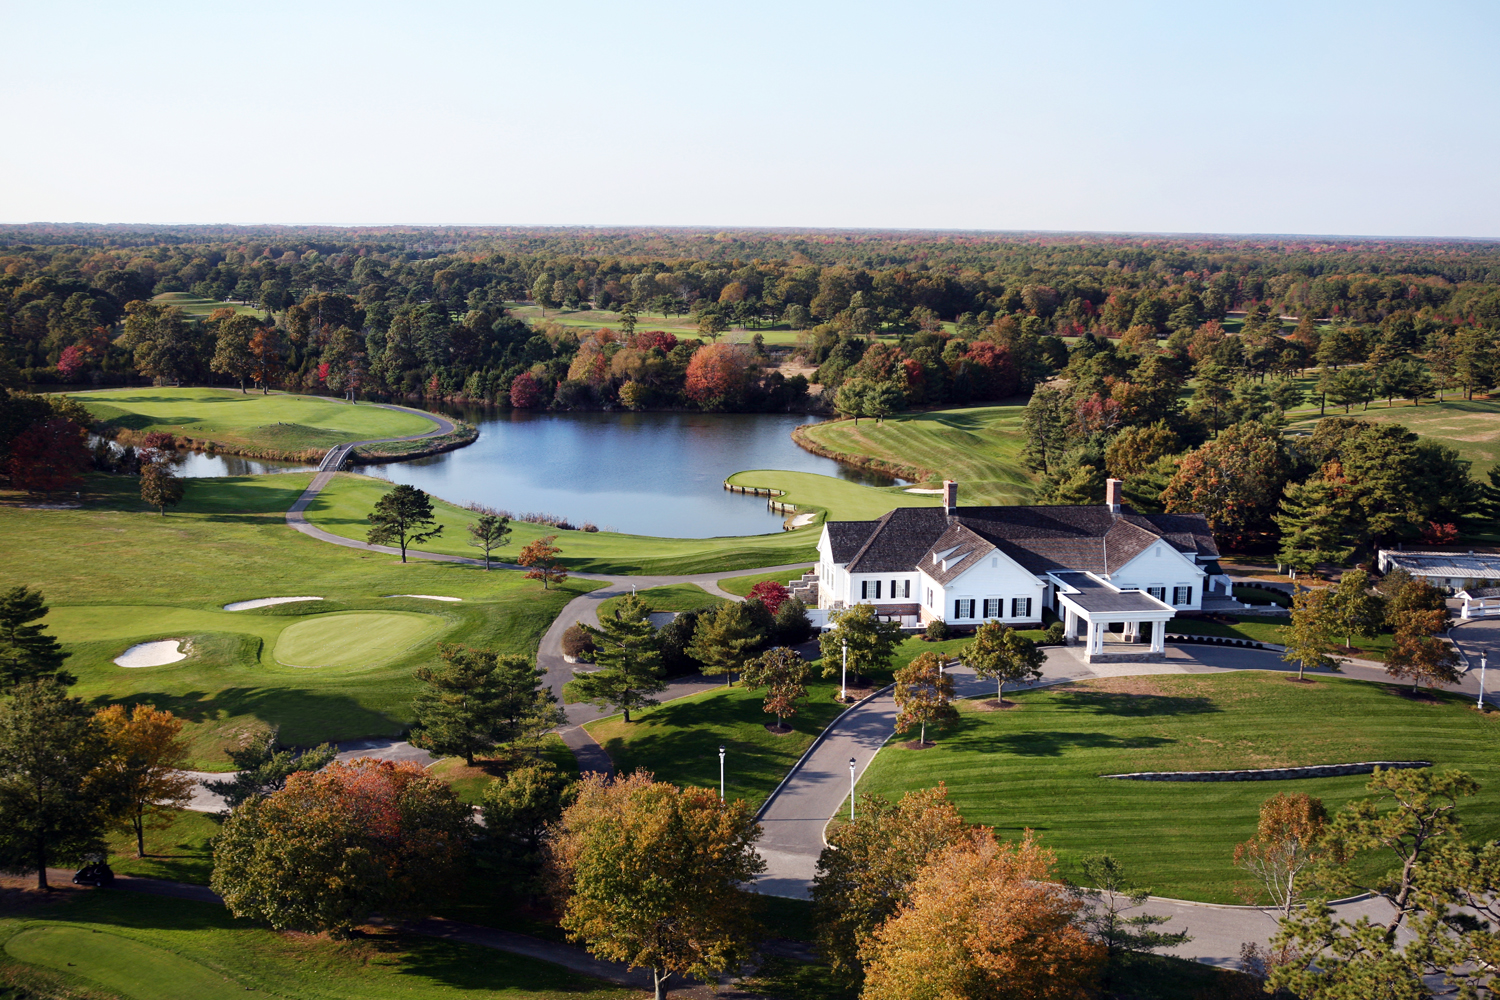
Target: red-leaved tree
655,338
49,455
995,374
525,392
71,363
771,594
715,372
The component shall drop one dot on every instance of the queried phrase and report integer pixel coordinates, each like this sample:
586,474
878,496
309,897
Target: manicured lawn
354,638
741,585
343,507
1038,766
1254,595
179,852
1266,628
279,421
117,574
684,327
157,948
679,741
979,447
674,597
843,500
1471,427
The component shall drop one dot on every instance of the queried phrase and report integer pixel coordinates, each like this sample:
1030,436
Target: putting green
354,638
120,965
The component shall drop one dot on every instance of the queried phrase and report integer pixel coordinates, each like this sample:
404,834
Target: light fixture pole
1483,662
851,789
721,772
844,677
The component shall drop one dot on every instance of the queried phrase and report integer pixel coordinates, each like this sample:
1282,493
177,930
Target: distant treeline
409,311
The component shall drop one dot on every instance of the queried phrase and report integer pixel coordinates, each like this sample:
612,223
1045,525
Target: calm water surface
641,473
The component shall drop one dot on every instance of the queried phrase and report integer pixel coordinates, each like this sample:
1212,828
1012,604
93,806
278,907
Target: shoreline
911,473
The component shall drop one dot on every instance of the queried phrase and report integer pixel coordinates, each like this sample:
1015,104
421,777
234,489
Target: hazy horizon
1167,117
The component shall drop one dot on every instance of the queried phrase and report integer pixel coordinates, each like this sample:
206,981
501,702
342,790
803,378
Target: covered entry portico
1090,605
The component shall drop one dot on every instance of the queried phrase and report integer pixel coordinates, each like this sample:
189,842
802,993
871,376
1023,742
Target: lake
640,473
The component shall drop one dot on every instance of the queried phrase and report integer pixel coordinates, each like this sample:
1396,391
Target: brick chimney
1113,494
950,497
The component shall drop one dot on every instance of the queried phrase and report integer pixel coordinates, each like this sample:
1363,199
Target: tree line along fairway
239,420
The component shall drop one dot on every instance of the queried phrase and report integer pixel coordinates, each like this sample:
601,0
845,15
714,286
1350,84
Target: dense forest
963,316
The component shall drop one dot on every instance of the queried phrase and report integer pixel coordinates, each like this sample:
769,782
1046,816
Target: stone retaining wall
1272,773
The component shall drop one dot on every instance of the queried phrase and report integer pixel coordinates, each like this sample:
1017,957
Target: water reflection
643,473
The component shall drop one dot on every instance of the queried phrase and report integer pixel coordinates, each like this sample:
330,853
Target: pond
640,473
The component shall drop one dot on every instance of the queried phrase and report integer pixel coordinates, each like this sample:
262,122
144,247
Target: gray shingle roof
1094,596
1041,539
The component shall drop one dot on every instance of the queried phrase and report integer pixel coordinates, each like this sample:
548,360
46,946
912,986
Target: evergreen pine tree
627,655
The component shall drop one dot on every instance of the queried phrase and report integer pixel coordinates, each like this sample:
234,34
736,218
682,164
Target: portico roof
1089,594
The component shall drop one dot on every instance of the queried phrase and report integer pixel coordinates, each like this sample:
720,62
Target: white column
1158,637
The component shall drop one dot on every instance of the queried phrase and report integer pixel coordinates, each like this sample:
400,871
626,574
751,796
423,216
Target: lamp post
844,677
851,789
1483,662
721,772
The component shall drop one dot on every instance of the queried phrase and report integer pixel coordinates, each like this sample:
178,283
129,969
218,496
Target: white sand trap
913,489
266,602
426,597
152,654
803,519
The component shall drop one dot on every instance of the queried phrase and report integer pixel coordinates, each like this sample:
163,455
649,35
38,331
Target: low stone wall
1273,773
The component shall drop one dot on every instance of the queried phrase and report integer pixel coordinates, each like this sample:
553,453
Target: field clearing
344,506
198,307
143,947
684,327
1039,766
248,421
979,447
116,574
1469,426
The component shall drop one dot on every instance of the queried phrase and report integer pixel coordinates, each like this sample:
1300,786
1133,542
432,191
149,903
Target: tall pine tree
627,655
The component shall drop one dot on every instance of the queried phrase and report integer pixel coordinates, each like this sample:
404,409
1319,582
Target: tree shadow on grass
304,717
472,967
1133,705
1046,743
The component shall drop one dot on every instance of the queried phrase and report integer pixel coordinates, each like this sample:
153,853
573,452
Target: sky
1311,117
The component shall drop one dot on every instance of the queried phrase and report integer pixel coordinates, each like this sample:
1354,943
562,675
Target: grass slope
342,508
979,447
238,420
742,585
116,574
1038,767
156,948
1471,427
841,499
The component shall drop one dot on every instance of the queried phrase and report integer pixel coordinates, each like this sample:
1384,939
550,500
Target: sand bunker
914,489
801,520
152,654
266,602
426,597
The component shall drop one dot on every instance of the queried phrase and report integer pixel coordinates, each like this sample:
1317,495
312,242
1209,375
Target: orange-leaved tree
924,694
1289,845
541,559
146,766
715,373
985,920
865,873
336,845
655,876
1419,653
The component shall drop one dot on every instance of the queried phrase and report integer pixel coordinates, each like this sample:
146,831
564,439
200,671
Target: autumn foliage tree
654,876
1235,481
783,673
1419,652
336,845
770,593
985,921
865,873
160,486
924,695
1290,843
49,455
145,767
540,558
715,373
